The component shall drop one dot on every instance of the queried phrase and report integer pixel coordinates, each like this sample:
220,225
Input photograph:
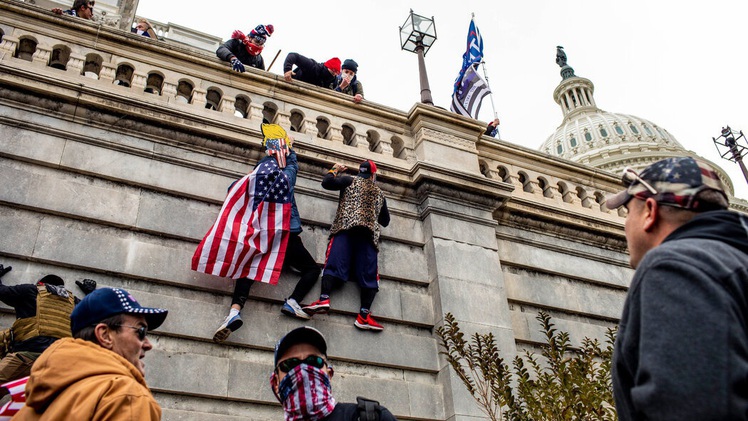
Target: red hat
333,64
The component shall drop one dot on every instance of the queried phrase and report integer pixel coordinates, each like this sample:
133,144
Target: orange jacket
79,380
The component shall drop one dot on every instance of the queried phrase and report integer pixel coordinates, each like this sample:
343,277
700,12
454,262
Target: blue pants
351,255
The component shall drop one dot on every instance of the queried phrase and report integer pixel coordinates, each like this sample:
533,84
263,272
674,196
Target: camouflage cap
673,182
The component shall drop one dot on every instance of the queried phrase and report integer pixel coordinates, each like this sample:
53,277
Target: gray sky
682,67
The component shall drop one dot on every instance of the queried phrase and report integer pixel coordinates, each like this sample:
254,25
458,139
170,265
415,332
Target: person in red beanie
244,50
310,71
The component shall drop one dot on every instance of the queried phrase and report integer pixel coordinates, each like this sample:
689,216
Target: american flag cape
17,389
249,238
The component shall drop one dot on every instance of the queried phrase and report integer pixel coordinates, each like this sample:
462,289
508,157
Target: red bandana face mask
252,49
306,394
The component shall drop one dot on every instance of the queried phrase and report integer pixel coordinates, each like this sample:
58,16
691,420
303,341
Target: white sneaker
293,309
229,325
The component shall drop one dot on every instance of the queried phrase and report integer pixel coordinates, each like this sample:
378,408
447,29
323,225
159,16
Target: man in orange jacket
98,373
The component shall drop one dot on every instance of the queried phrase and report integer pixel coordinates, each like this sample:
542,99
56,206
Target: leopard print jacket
359,205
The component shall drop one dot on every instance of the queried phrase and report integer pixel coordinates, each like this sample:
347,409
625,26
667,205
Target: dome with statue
605,140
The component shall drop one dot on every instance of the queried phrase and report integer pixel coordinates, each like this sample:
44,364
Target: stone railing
197,83
164,75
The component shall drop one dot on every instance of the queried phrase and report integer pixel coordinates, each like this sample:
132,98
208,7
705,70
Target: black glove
237,65
4,270
88,285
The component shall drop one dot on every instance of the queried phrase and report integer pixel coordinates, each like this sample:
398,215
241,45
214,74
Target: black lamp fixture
731,145
417,35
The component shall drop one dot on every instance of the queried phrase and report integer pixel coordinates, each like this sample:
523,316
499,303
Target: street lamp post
417,35
733,149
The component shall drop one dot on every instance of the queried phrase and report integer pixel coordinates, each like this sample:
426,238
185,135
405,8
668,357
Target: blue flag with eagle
469,91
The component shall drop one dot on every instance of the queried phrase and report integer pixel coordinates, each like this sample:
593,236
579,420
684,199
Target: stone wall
118,184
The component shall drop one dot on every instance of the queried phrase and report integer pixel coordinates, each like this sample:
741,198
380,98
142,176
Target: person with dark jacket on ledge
309,71
242,50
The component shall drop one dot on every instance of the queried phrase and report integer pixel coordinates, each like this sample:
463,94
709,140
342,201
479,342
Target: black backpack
368,410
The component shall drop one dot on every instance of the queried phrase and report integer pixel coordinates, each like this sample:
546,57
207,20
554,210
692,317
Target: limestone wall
118,184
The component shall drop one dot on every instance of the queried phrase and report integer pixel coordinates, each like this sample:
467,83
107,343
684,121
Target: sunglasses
630,177
291,363
259,40
141,331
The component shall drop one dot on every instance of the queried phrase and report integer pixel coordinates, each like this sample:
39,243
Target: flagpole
495,115
485,75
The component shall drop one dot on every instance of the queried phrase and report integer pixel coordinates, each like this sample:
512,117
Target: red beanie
333,64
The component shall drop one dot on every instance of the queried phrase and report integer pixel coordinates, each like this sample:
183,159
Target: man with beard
681,352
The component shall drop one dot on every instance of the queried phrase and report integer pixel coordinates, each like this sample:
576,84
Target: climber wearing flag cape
257,232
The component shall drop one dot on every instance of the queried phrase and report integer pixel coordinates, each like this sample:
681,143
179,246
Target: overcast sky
683,67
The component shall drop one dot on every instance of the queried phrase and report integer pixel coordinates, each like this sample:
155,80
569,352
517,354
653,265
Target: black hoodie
682,346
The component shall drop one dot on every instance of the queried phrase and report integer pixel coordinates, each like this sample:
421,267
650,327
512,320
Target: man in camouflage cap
682,345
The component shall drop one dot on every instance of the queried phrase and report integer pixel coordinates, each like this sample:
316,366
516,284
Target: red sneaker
368,323
319,306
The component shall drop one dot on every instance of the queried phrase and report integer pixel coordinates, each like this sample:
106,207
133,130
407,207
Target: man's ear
274,381
651,214
330,371
104,336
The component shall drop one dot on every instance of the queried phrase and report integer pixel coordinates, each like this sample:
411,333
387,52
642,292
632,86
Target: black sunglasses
291,363
141,331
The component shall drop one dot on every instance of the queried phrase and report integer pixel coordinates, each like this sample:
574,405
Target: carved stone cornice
595,234
444,138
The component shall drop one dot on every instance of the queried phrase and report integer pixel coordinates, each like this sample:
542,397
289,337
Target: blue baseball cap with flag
673,182
108,302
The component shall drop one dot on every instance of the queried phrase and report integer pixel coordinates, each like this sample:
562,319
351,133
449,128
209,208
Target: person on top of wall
81,8
144,28
309,71
347,82
245,50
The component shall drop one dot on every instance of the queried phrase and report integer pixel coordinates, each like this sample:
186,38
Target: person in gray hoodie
681,352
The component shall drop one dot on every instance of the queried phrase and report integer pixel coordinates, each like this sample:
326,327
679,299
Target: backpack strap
368,410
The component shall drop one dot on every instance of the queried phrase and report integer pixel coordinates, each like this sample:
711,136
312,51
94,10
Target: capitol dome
605,140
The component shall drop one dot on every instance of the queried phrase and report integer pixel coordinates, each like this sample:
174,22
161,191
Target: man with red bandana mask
244,50
302,374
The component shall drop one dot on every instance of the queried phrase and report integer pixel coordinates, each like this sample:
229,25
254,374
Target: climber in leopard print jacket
354,239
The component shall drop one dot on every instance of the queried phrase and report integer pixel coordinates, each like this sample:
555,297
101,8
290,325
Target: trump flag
469,95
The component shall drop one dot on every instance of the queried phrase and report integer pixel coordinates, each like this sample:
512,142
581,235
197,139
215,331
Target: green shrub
569,384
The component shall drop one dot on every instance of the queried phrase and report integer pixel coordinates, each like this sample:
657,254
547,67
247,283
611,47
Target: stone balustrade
120,148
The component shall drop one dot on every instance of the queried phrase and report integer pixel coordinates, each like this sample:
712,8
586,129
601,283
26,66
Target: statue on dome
566,70
560,56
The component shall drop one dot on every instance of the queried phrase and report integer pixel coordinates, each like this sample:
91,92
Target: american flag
249,238
17,389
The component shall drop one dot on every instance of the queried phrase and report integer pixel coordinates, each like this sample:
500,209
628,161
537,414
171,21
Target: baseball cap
108,302
673,182
301,335
367,168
